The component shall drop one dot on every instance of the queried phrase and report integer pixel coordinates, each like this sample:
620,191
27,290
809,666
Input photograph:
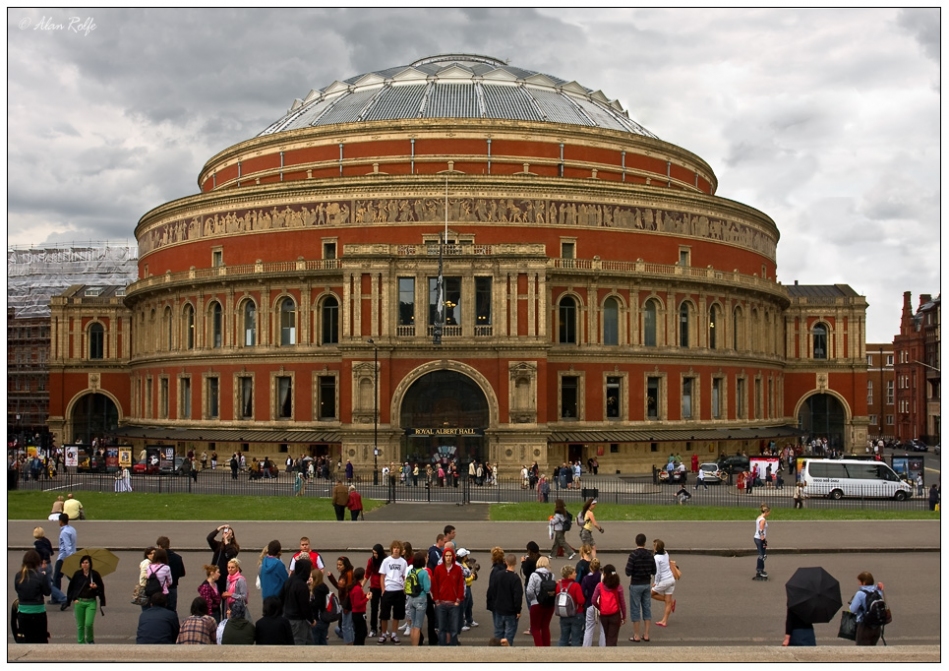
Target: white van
853,477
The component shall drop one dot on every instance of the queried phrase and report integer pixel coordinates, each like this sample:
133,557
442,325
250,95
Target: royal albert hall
459,257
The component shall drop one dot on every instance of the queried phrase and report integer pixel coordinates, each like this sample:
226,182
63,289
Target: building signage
444,431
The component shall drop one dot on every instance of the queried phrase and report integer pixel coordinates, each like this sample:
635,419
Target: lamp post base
375,476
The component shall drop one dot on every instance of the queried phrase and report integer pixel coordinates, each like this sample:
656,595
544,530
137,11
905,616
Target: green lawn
606,512
145,506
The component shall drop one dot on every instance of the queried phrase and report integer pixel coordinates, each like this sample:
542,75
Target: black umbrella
813,594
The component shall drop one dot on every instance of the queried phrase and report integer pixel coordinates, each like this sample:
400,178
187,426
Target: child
358,601
469,569
683,495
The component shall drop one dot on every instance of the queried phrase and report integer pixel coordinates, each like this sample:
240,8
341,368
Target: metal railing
622,490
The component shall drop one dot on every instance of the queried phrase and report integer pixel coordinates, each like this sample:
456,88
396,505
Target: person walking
85,587
340,499
665,584
867,633
67,548
608,599
700,479
45,549
799,495
32,586
933,497
354,503
761,541
589,524
561,518
640,567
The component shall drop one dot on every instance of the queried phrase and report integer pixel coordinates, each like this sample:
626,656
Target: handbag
676,573
138,596
848,626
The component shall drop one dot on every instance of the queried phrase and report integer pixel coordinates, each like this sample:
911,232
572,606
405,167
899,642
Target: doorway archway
823,415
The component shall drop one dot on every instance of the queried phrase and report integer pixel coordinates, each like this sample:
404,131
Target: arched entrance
444,414
93,415
823,415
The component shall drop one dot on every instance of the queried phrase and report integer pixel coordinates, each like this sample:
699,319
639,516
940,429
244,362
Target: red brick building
591,294
881,391
917,370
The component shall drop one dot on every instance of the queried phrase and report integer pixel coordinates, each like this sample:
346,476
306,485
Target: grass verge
606,512
146,506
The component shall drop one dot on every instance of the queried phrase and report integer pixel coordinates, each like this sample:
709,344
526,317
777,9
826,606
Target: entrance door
575,453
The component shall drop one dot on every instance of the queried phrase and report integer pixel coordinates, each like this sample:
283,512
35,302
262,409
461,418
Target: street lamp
375,412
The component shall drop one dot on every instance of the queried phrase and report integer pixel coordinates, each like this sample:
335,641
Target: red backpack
609,602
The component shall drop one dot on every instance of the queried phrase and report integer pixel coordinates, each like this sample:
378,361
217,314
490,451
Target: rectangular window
163,398
889,359
740,398
613,397
889,392
869,391
327,399
652,398
482,305
569,387
758,399
329,250
687,383
213,398
568,250
185,398
217,258
247,397
873,419
716,398
452,300
770,398
869,360
284,397
684,256
406,301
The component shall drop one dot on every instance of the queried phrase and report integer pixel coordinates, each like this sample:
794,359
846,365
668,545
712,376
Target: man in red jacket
448,593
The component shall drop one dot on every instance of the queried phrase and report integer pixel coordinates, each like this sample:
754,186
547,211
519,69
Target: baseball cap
462,552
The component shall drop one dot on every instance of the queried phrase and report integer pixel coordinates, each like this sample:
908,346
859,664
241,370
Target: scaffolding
36,273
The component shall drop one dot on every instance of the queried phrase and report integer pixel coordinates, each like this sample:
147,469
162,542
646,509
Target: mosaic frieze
460,210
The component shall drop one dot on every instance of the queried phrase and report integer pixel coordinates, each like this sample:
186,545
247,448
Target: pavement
479,535
522,654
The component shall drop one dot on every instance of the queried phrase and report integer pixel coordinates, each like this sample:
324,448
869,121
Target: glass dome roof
456,86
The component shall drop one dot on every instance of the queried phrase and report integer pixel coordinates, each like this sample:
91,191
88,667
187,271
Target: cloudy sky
826,120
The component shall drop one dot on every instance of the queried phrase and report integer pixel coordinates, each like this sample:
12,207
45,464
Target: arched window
610,321
820,341
96,341
189,327
684,324
288,322
568,321
217,326
169,330
250,323
649,324
713,327
737,330
330,317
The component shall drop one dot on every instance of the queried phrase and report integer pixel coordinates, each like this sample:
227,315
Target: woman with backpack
541,597
343,584
561,524
570,608
609,600
868,631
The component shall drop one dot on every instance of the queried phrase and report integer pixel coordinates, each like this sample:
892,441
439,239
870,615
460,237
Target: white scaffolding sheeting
35,273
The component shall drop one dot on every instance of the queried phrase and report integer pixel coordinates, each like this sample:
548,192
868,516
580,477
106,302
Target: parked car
678,477
713,474
735,463
167,470
917,445
141,467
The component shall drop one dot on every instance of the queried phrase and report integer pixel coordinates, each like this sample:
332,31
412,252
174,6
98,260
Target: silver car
712,472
